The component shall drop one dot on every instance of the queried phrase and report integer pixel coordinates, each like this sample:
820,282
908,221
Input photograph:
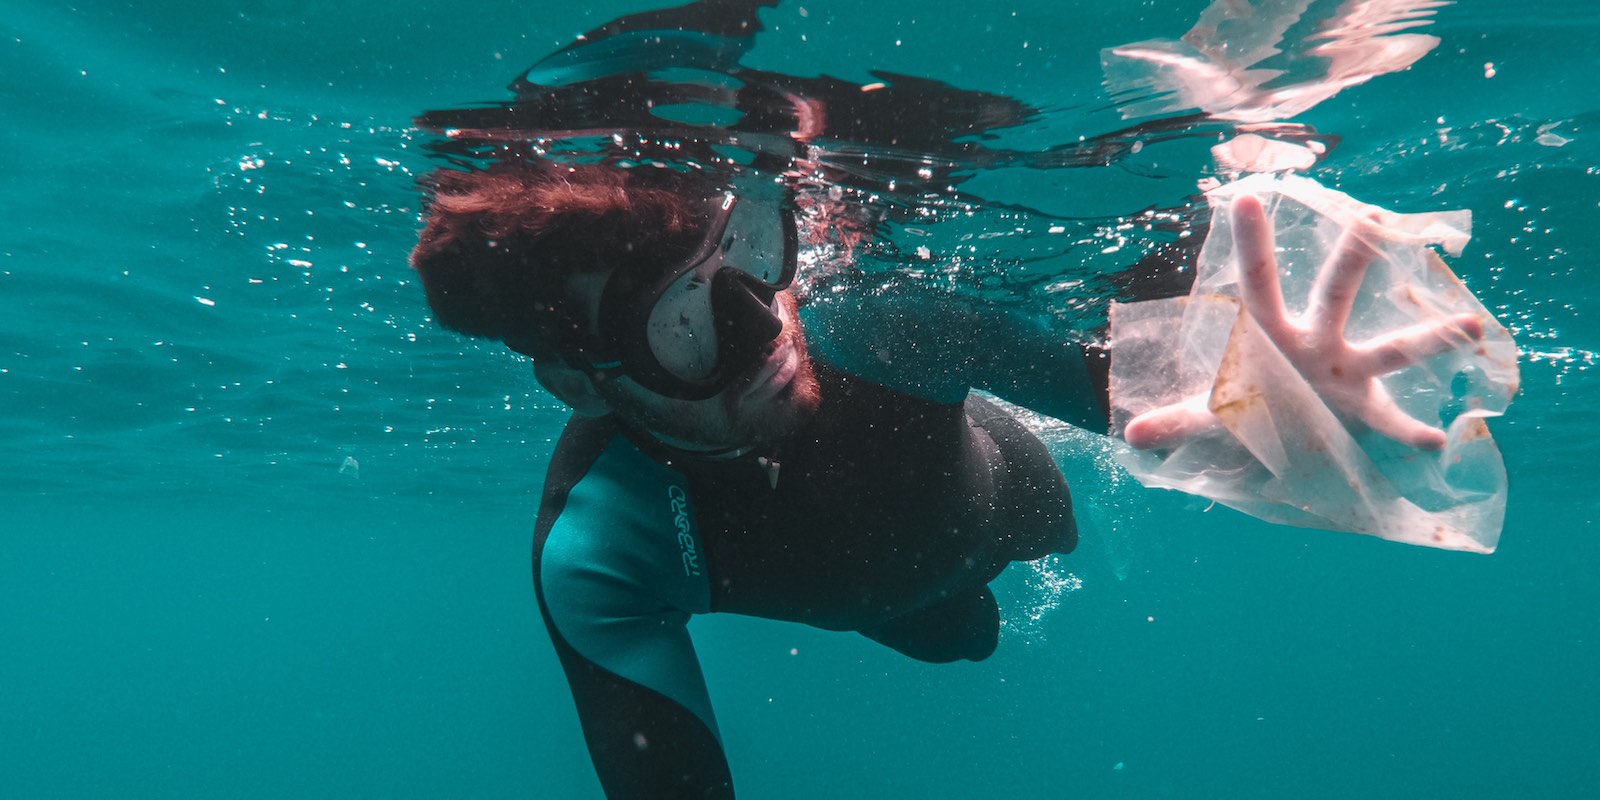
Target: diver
715,463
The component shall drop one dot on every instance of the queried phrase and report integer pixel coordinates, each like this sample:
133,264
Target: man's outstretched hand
1344,374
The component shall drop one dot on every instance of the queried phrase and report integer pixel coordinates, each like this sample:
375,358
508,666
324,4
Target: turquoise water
265,529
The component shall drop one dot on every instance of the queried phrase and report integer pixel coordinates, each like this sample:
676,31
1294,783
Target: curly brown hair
500,243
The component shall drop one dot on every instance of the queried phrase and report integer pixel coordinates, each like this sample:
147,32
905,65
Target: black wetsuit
887,514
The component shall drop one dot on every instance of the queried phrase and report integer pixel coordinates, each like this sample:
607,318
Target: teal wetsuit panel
615,583
622,572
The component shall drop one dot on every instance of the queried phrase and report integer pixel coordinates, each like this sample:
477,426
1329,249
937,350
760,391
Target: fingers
1170,426
1384,354
1386,418
1258,266
1333,293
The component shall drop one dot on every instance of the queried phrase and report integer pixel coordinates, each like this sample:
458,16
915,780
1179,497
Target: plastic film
1282,453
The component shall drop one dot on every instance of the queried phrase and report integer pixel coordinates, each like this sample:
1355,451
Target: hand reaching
1343,373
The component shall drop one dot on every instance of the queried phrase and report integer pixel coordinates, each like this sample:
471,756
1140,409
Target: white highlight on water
1046,585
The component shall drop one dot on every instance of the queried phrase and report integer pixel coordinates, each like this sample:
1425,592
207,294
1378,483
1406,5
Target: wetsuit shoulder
629,518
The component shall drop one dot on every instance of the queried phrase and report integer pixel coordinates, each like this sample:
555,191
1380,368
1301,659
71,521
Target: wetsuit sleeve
935,345
616,593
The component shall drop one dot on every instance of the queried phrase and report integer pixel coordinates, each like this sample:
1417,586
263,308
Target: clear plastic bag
1284,455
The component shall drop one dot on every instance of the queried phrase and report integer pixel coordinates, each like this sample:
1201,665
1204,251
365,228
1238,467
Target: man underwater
714,463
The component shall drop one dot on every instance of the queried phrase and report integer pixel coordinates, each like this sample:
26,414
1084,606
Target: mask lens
757,243
681,328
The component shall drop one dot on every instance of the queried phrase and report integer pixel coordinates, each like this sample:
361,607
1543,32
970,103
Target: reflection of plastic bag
1285,456
1267,61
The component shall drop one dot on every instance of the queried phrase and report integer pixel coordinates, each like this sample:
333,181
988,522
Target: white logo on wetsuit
680,520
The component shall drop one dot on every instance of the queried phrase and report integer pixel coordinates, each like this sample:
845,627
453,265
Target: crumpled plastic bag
1285,456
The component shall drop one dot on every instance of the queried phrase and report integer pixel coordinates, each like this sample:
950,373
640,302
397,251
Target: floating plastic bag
1283,454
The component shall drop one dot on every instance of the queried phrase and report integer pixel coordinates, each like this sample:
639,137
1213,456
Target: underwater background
264,528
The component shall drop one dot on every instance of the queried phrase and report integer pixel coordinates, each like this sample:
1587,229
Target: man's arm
643,734
616,593
934,344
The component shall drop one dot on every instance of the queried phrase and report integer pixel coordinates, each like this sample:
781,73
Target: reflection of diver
714,463
665,87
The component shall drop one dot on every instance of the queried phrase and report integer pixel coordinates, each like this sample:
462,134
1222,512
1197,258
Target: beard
779,416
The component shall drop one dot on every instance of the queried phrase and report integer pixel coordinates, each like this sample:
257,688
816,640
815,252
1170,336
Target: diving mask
689,330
